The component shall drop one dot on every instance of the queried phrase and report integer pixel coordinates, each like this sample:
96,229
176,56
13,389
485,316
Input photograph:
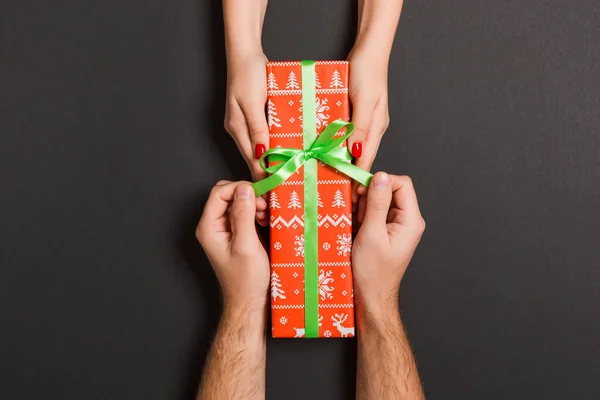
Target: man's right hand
391,227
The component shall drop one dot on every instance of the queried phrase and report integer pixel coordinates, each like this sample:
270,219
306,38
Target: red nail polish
356,149
259,150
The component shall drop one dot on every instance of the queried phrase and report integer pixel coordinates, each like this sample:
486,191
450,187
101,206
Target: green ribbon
326,148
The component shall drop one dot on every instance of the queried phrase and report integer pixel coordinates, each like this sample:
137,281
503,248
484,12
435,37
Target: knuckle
201,233
221,183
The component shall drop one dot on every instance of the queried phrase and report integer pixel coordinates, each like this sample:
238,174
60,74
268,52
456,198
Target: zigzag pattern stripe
320,182
350,305
287,92
321,264
301,306
296,63
335,222
298,134
324,220
287,307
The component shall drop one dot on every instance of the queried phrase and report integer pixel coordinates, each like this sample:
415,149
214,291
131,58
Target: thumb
258,130
379,198
242,216
362,116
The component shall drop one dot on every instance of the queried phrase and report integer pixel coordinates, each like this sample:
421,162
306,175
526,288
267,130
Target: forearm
243,26
235,368
377,23
386,366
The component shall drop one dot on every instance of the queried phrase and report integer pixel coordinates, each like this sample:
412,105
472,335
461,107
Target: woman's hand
245,118
368,91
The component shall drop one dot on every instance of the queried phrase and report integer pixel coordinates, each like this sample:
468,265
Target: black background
111,137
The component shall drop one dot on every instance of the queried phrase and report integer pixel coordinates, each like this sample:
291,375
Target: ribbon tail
283,173
358,174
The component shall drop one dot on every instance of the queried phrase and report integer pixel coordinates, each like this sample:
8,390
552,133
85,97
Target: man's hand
386,240
235,368
391,227
228,235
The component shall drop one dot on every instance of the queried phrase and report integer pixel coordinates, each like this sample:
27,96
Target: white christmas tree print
276,289
336,80
292,82
325,287
338,200
319,201
271,82
272,119
299,245
274,201
294,201
344,242
317,82
321,107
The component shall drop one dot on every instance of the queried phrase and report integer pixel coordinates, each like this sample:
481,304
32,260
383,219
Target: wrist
249,317
243,50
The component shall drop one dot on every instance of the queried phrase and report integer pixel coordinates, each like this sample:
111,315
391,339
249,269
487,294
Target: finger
237,127
405,199
258,133
262,218
377,129
362,208
242,215
362,116
379,198
218,201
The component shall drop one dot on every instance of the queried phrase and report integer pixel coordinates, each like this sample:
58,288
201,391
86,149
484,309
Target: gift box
311,275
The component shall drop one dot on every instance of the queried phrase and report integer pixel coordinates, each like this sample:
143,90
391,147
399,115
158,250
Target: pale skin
368,87
390,229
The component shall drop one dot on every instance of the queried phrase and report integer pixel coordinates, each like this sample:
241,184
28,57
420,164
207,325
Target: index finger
218,201
404,196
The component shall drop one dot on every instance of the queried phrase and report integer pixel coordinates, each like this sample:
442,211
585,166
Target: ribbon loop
325,148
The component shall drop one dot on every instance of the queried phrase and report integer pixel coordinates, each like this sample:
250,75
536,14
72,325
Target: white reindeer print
300,331
338,320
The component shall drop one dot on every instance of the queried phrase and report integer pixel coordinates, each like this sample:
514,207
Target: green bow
325,148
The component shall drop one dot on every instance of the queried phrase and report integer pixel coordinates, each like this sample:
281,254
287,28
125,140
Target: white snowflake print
327,333
339,103
325,287
344,293
344,242
321,107
343,276
326,246
283,320
297,292
277,246
295,274
299,245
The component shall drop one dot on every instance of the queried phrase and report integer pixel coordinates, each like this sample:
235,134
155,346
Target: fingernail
259,150
380,180
242,192
356,149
